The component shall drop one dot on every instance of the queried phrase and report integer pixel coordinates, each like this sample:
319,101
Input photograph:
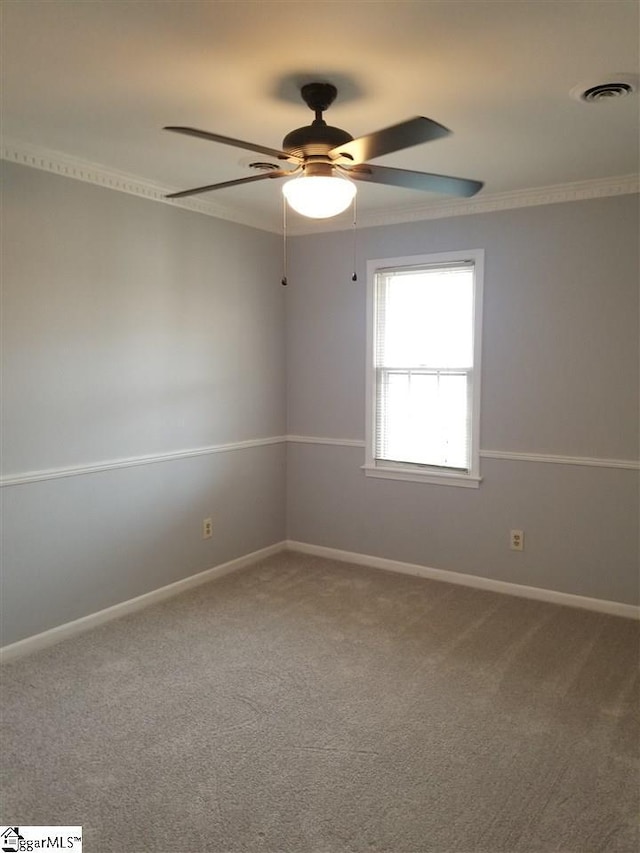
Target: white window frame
406,470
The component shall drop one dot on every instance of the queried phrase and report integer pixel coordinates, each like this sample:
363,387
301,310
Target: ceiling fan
326,160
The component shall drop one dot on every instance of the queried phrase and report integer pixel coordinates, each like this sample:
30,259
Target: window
423,384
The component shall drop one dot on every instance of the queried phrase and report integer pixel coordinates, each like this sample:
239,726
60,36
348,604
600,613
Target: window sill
414,475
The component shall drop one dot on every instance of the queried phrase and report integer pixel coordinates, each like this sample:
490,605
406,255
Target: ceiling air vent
619,86
267,167
607,90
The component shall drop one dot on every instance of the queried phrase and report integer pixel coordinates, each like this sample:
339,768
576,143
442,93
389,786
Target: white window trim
408,471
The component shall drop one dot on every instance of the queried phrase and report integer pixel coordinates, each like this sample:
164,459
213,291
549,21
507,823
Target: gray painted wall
560,376
132,328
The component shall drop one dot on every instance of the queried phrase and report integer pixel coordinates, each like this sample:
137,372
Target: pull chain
284,281
354,277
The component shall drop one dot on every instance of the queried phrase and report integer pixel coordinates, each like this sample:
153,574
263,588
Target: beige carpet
307,706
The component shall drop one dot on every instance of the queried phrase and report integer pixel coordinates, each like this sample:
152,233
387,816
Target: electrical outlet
516,538
207,528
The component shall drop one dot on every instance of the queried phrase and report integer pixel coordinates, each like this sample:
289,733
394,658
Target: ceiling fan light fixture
319,196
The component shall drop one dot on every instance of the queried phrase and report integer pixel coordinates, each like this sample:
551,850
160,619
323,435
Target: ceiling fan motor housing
316,139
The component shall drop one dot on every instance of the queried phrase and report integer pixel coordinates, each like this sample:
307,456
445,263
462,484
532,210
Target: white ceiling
98,80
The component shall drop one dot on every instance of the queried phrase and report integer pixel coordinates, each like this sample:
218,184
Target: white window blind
423,354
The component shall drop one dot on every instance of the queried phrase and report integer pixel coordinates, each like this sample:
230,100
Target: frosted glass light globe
319,196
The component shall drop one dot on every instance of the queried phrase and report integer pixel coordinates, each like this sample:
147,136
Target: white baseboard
614,608
85,623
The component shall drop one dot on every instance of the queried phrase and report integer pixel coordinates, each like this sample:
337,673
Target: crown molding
95,173
484,203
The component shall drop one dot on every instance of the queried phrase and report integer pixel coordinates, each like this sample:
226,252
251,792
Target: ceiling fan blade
404,135
238,143
414,180
238,181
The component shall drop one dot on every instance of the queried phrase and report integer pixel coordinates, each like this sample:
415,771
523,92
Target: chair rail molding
549,458
26,477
